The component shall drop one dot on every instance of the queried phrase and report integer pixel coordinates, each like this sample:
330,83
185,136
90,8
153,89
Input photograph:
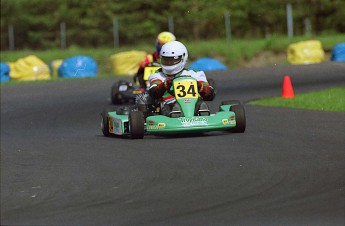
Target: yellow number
186,89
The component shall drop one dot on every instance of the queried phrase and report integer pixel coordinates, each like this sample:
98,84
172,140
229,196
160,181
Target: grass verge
325,100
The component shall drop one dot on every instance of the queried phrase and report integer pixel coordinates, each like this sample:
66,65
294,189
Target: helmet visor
169,61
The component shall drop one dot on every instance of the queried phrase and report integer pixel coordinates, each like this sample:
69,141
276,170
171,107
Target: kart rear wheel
136,124
240,118
213,84
105,121
230,102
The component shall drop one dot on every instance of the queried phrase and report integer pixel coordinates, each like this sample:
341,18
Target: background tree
89,23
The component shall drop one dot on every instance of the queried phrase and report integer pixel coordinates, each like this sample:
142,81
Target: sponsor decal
187,122
154,127
151,122
117,124
136,91
232,120
227,122
187,101
110,123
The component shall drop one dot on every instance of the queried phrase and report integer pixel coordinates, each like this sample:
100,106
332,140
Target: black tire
240,118
213,84
115,94
123,110
136,124
105,121
227,102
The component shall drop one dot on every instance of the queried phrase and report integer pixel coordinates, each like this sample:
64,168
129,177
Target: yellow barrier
127,63
29,68
306,52
54,66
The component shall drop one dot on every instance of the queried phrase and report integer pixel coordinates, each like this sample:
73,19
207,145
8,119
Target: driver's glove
167,83
157,91
206,91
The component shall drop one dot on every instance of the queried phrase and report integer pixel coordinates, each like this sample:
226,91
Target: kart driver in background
174,56
161,39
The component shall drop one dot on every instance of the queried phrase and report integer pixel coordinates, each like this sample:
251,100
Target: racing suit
158,89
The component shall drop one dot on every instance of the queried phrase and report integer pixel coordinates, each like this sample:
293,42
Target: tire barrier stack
31,68
4,72
306,52
126,63
207,64
78,67
338,53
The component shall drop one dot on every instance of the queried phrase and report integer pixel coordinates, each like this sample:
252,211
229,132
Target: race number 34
186,89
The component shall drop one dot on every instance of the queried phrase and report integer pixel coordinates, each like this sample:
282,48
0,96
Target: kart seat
202,109
176,111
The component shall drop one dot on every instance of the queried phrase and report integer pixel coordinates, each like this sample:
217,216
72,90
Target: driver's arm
157,89
206,91
158,85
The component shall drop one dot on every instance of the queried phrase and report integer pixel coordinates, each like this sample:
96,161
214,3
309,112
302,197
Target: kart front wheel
105,121
136,124
115,94
240,118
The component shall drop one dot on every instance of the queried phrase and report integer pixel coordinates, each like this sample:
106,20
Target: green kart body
159,124
187,119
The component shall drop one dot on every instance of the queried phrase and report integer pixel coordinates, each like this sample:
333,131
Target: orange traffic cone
287,88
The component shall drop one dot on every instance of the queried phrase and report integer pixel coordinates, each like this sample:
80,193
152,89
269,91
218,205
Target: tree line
89,23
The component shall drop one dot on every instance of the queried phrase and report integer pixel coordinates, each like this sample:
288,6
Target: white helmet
174,57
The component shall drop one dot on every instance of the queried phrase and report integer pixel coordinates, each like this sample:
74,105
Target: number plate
123,88
186,89
148,71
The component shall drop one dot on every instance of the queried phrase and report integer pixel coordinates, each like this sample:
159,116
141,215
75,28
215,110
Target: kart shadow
171,136
189,135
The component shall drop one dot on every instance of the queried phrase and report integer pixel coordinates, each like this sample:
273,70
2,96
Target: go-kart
186,116
124,92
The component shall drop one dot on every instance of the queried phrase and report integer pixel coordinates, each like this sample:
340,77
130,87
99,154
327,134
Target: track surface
286,169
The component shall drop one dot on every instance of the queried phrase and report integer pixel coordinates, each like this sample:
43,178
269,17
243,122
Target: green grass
326,100
233,54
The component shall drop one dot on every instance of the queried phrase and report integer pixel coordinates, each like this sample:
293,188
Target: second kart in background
124,92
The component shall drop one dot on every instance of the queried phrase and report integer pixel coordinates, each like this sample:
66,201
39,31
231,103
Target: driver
161,39
174,57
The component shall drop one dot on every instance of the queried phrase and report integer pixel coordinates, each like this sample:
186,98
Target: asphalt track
287,168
